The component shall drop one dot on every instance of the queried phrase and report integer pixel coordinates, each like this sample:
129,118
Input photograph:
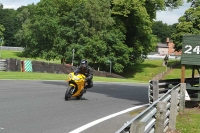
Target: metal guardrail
160,116
3,65
159,87
12,48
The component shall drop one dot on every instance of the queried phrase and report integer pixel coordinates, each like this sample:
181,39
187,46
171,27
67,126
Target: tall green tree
104,42
189,23
162,30
9,21
136,24
100,31
2,29
57,27
1,6
135,18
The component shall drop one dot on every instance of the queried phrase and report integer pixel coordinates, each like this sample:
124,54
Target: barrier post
134,126
155,90
160,117
182,97
173,110
137,127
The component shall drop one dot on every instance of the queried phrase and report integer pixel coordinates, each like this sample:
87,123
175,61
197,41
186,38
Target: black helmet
84,63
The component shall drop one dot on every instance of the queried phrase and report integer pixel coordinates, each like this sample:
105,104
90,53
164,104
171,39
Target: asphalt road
39,106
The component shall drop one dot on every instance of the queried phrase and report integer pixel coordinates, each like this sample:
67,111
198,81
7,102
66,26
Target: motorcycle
76,86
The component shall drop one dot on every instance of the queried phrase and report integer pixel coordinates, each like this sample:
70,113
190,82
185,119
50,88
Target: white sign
187,97
189,49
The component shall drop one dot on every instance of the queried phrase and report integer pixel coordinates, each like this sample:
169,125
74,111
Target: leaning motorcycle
76,86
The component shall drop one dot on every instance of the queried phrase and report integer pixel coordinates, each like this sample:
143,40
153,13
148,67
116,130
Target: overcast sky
169,17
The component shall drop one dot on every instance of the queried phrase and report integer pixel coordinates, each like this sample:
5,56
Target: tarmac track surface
39,106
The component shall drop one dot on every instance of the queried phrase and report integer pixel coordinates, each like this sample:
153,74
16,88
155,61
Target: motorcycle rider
86,70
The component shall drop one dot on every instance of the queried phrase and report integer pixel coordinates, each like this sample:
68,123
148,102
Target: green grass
147,70
51,76
18,55
150,68
176,73
188,122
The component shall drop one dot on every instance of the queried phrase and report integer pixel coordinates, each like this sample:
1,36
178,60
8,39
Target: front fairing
78,82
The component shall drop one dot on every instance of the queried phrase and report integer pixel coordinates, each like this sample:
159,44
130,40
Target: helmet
84,63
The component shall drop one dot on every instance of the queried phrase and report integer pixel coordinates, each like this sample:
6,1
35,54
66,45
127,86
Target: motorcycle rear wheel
68,93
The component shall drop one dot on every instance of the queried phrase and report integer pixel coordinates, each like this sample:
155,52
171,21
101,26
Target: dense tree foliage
2,29
8,20
163,30
189,23
119,31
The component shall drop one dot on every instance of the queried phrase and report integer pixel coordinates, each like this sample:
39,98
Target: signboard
191,50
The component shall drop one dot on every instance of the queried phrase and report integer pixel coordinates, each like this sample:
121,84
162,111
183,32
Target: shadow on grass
131,71
18,54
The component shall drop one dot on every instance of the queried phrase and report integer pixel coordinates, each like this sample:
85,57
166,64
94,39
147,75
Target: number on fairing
196,49
188,50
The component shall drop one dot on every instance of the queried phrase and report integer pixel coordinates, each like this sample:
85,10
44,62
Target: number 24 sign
190,50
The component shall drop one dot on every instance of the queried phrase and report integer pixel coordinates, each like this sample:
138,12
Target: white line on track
84,127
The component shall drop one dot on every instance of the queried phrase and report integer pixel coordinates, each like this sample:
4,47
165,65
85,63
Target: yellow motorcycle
76,86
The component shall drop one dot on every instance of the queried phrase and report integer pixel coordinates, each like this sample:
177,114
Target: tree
135,23
116,30
189,23
8,20
104,41
1,6
162,30
57,27
2,29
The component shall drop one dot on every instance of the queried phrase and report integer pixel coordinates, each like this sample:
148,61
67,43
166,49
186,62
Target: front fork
72,90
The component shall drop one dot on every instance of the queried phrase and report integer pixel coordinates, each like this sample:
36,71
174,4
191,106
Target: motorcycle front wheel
69,92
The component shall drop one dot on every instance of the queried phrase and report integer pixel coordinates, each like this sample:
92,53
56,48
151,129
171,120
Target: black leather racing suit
87,71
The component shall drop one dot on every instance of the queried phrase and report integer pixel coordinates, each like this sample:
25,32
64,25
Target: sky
168,17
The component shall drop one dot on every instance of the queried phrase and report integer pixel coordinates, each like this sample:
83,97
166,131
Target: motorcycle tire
79,97
68,93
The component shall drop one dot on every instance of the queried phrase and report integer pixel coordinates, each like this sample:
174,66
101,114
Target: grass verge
188,122
18,55
51,76
176,73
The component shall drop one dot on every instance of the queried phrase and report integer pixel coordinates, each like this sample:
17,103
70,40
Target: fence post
134,126
137,127
173,110
155,90
160,117
182,97
8,64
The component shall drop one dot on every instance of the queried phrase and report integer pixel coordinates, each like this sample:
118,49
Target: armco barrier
159,87
13,65
160,116
3,64
45,67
